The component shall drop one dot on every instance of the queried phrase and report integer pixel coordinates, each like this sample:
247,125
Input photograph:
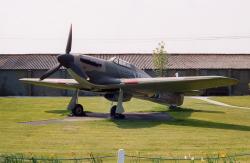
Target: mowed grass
243,101
198,129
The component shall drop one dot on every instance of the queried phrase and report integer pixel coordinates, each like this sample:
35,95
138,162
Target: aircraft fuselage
102,71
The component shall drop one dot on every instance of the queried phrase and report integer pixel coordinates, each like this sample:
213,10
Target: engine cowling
114,97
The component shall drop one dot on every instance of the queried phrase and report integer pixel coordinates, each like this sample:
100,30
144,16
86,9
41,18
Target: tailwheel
115,115
78,111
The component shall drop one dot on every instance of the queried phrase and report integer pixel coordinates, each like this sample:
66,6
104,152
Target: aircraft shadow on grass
62,112
183,120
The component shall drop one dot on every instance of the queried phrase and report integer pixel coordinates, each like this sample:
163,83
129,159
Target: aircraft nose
65,59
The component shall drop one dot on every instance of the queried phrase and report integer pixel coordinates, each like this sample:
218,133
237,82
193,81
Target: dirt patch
42,122
150,116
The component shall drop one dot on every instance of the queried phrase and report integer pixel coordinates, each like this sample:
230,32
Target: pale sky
121,26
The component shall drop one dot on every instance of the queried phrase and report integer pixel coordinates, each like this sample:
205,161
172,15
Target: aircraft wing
144,85
177,84
54,83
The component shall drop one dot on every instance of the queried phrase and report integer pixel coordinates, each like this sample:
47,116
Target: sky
125,26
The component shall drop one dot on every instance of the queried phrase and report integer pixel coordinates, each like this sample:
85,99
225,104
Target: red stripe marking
131,81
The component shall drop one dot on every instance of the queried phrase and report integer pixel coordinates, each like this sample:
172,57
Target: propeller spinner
66,60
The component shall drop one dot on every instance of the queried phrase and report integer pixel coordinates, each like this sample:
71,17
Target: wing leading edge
54,83
178,84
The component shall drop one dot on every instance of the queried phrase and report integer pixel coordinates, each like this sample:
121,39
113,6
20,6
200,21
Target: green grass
243,101
198,129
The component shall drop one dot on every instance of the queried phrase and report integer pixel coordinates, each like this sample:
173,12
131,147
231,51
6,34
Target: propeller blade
69,43
50,71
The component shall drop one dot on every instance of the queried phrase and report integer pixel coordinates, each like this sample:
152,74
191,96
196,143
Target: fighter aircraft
119,81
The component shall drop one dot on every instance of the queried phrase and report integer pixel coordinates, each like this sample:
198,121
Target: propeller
51,71
66,60
69,42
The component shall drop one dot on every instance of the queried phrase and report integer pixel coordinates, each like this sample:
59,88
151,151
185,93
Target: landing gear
117,110
78,110
173,107
115,115
74,107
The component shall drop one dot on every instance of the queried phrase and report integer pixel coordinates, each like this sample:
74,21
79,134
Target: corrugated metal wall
11,86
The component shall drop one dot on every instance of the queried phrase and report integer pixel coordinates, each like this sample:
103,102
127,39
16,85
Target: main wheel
78,110
115,115
113,111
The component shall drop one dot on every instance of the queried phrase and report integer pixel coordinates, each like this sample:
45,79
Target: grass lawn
234,100
198,129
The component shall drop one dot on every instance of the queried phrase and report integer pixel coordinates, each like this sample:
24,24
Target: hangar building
15,66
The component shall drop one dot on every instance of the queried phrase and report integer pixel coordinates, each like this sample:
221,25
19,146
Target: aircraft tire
113,111
78,110
115,115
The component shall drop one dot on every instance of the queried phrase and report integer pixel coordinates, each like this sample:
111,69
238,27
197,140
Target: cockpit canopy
121,62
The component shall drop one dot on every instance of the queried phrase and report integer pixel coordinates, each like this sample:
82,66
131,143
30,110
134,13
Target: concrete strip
217,102
149,116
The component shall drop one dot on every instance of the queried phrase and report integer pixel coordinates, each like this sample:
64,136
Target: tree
160,59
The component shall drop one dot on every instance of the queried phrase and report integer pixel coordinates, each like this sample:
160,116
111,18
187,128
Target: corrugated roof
143,61
27,61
